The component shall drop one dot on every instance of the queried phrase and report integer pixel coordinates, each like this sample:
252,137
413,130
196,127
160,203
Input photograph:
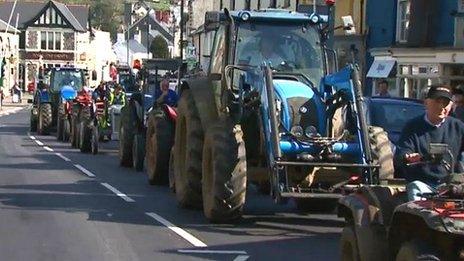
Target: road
59,204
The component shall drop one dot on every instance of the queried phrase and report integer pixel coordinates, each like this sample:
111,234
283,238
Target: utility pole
182,30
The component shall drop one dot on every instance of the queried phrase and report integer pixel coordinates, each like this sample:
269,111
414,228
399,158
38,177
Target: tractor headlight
315,18
246,16
310,131
297,131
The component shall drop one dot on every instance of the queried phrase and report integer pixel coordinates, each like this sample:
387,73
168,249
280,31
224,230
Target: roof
4,25
157,26
76,14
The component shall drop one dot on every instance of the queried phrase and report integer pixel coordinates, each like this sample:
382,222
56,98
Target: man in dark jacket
433,127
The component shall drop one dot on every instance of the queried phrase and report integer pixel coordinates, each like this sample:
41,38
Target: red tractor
81,123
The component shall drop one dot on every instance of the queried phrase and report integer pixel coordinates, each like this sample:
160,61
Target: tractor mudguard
203,94
436,217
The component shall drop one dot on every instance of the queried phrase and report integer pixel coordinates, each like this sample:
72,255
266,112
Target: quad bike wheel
160,138
417,250
45,119
126,138
138,152
74,137
224,172
349,245
188,149
59,129
94,142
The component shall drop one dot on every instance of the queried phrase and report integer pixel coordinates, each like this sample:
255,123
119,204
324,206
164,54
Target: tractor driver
166,96
268,51
434,127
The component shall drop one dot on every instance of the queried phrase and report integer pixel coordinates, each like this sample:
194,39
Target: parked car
392,114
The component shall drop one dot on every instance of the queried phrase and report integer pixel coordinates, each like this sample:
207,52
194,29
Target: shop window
403,20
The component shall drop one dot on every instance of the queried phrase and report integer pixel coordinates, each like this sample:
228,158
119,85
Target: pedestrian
383,89
435,126
458,100
113,72
166,96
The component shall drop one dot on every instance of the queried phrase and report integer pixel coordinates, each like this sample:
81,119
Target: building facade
51,35
9,53
413,44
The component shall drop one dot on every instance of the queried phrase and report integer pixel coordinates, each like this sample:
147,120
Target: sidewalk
9,107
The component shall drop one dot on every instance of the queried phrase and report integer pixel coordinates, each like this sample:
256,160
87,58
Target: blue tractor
56,89
273,112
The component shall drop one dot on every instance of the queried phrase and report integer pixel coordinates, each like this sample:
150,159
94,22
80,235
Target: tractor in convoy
139,111
382,225
56,88
272,111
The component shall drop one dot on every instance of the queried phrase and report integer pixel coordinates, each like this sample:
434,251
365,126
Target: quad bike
382,225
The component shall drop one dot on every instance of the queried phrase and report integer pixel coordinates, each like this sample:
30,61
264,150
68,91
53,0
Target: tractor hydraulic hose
364,138
272,112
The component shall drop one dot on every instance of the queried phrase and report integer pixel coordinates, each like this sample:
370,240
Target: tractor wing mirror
348,25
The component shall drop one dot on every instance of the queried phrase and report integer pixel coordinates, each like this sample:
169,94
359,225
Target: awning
381,68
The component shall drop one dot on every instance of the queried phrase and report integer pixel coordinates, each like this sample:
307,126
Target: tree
106,16
159,47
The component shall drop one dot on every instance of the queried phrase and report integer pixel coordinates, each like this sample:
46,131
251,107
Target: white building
9,53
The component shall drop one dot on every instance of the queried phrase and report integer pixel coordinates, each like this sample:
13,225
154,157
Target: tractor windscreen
290,48
73,78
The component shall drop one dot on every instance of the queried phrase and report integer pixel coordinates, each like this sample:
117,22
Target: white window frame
399,21
55,37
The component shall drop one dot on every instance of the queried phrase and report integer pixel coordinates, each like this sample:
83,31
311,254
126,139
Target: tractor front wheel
138,152
160,137
224,172
94,142
66,130
188,148
45,119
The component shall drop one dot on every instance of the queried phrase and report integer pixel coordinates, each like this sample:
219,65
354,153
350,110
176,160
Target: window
51,41
57,41
219,51
43,40
403,20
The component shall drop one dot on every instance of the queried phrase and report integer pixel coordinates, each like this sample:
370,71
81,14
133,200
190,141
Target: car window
393,117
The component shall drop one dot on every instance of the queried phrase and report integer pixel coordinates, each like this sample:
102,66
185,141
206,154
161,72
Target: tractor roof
266,15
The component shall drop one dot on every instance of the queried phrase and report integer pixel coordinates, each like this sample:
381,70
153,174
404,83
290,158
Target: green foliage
159,48
106,15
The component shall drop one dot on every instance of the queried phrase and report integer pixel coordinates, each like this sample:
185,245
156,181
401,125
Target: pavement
59,204
8,107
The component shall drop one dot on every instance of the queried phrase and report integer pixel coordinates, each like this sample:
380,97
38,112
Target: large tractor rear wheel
224,172
45,119
188,148
126,138
381,152
417,250
160,138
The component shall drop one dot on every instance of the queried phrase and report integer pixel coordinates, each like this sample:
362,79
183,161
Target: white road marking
179,231
63,157
241,258
48,148
117,192
32,137
86,172
39,142
222,252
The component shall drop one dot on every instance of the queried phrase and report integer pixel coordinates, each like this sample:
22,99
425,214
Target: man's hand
413,157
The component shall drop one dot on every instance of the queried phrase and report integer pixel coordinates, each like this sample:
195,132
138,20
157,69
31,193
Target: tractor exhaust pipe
364,138
272,112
